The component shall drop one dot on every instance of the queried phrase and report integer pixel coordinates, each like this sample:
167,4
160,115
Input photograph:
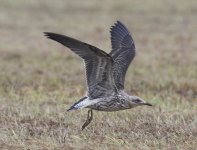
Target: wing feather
99,65
123,52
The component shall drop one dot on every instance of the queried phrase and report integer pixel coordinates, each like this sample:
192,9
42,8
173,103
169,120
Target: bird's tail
77,105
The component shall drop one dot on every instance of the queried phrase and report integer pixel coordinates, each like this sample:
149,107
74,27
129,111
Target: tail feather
73,107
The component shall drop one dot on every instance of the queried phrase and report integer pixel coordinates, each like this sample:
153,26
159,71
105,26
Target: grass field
40,79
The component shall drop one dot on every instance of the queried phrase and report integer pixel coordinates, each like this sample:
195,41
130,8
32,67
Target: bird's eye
137,100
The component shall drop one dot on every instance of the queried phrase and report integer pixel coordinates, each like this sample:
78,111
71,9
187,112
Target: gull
105,73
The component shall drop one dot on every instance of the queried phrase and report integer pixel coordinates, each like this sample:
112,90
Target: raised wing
99,70
123,52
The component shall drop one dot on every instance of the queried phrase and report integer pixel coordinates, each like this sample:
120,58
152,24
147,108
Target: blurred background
40,78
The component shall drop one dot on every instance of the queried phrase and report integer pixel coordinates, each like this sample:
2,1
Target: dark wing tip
120,26
120,35
49,35
58,38
46,33
118,23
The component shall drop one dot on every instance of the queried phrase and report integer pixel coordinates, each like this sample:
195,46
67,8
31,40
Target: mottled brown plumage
105,73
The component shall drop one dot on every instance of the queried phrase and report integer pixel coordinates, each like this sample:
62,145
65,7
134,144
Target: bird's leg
89,119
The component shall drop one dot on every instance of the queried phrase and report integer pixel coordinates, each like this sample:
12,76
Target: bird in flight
105,73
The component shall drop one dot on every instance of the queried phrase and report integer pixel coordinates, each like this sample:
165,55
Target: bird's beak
148,104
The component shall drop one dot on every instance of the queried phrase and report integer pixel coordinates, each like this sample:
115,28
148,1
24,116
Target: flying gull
105,73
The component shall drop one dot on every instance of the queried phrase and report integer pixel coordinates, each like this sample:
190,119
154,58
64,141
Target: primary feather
99,65
123,52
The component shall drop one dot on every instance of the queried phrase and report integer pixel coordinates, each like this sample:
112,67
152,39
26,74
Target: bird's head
137,101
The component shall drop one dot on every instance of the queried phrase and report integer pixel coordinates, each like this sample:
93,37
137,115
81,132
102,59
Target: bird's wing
123,52
99,69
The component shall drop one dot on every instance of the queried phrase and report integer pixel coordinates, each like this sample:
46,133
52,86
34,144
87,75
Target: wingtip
116,24
47,34
118,21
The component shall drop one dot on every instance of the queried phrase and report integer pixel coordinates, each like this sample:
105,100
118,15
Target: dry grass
39,79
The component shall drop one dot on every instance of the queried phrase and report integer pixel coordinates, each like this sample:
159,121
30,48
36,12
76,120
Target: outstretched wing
99,70
123,52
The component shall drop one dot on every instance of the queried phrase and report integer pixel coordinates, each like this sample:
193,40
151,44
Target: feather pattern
123,52
99,65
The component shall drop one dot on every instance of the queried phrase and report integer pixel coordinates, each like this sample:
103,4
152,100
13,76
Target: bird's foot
89,119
